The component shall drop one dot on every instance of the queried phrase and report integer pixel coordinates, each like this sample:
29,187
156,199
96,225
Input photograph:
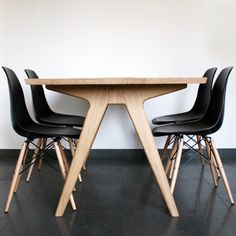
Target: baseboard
109,153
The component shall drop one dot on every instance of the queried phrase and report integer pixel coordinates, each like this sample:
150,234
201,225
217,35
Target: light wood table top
117,81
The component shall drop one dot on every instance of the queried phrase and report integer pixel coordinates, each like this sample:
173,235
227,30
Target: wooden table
131,92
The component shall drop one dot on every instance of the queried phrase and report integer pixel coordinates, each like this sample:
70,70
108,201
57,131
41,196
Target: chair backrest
204,93
215,113
41,107
19,114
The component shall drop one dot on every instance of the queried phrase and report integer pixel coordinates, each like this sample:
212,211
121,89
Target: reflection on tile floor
118,196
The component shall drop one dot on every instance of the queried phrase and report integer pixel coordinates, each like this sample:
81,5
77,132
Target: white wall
117,38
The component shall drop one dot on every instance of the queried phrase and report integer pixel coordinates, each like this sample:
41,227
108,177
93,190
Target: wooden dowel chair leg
41,156
216,166
177,164
36,151
172,165
165,147
63,155
170,157
213,171
75,141
72,149
16,173
200,150
222,171
66,164
21,168
84,167
63,170
80,178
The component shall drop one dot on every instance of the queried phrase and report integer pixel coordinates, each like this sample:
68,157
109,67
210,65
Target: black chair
196,112
208,124
45,115
200,105
26,127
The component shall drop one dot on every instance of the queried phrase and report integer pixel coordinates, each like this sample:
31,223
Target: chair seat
177,118
62,119
191,128
35,130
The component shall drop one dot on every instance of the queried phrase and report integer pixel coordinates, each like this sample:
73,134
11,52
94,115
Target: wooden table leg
99,98
93,120
134,106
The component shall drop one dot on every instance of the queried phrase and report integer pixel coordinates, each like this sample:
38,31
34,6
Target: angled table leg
98,106
132,97
134,106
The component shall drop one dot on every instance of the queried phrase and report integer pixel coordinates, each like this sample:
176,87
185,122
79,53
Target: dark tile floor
118,196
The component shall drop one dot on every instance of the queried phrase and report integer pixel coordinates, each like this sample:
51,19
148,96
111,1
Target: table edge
117,81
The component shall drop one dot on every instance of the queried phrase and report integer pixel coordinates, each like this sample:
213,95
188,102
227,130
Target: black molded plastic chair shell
200,106
213,118
21,120
43,113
